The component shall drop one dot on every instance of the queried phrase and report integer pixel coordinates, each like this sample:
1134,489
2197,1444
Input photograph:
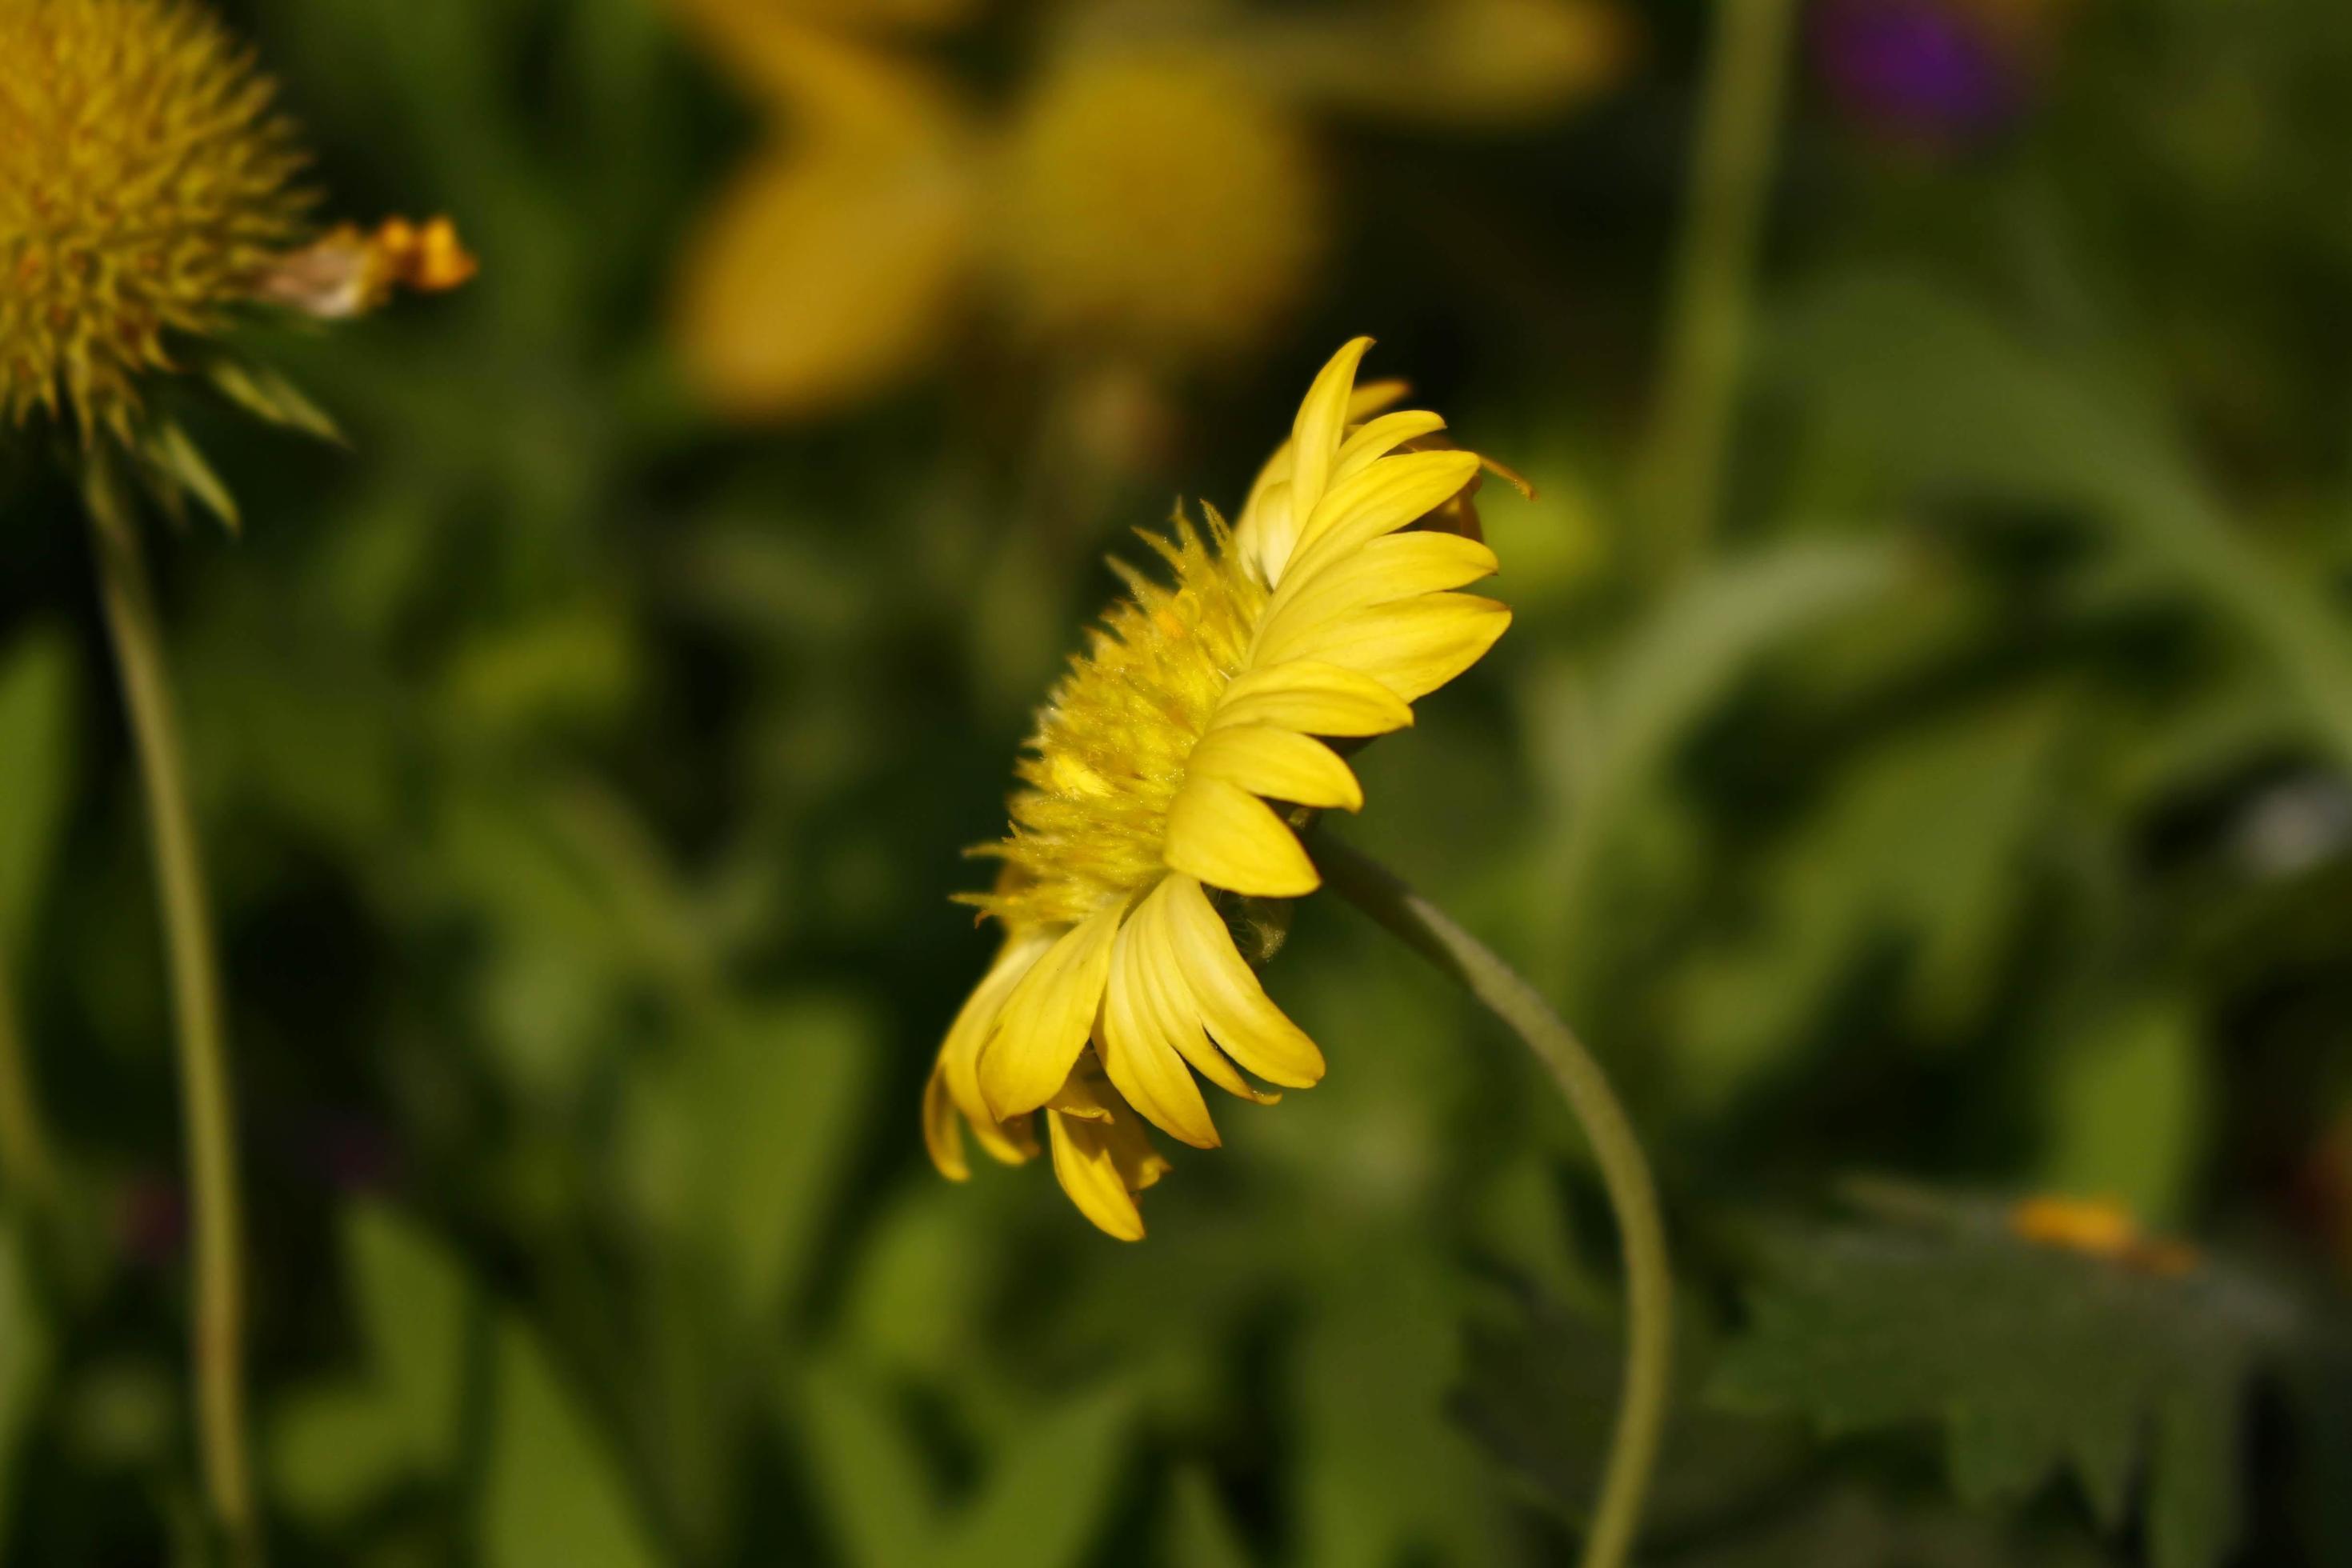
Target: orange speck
2095,1226
2100,1228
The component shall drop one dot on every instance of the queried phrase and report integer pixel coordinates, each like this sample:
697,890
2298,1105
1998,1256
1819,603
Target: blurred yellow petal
837,262
1157,202
813,53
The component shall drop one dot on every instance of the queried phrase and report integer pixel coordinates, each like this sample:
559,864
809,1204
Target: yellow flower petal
807,63
1139,1052
1411,647
1049,1017
1102,1158
1401,566
1322,416
1229,838
1270,531
1375,439
1314,699
942,1131
1246,1022
1379,499
1280,765
1084,1165
1255,539
1009,1141
833,265
1173,1003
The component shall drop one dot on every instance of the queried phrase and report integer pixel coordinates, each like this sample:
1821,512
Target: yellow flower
1157,202
1144,187
1173,764
148,186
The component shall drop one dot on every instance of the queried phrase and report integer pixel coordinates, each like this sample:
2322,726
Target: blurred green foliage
586,779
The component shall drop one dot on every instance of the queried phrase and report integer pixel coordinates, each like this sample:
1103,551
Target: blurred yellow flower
1320,614
837,258
148,186
1157,203
1149,189
2098,1228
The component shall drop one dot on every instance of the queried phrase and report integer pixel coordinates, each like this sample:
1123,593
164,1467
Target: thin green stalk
1649,1281
1681,476
207,1106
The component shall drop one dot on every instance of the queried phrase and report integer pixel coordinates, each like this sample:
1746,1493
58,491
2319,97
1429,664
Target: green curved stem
1648,1282
208,1109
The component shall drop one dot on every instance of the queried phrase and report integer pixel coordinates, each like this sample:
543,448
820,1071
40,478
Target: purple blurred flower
1931,70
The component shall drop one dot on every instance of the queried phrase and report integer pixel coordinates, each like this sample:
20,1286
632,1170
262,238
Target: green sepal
269,396
177,469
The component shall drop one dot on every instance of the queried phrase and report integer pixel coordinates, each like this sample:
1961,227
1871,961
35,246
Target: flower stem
1681,476
209,1110
1649,1283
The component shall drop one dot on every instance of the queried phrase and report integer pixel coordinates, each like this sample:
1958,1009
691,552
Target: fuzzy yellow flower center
145,182
1114,745
1162,203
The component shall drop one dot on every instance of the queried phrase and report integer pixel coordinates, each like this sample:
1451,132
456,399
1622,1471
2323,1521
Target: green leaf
740,1142
335,1451
872,1479
2126,1106
1862,872
414,1302
1052,1491
2031,1358
1538,1392
1847,1526
1386,1474
1669,673
340,1446
37,736
1947,396
553,1496
1201,1531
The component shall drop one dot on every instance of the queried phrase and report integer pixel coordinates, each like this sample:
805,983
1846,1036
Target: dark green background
584,781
